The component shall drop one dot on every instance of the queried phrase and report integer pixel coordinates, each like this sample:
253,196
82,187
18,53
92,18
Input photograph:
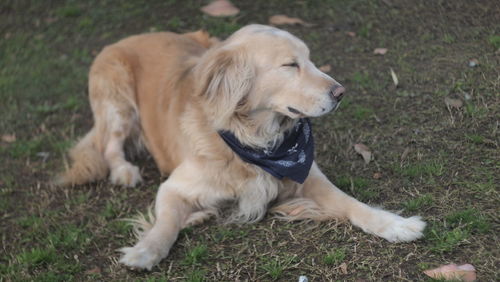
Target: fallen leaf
343,268
9,138
220,8
453,103
284,20
380,51
377,175
95,270
350,33
465,272
364,152
325,68
50,20
394,78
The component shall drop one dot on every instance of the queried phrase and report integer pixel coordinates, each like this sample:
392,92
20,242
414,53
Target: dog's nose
337,91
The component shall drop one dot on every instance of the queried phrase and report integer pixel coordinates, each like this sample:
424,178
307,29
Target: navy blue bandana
292,159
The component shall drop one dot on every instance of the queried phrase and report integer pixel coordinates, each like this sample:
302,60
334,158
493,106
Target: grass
469,219
432,168
362,113
36,257
196,255
449,177
448,38
196,276
335,257
458,228
495,41
357,186
446,240
274,268
226,234
363,80
43,263
68,237
477,139
418,203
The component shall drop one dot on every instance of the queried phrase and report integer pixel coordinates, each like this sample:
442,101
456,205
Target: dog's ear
226,77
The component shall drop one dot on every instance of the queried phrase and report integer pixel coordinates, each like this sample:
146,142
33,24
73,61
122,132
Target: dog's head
262,74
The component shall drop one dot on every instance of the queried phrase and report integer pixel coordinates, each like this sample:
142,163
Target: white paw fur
126,175
399,229
141,257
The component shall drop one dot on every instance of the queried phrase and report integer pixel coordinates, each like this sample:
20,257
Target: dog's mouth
336,106
298,114
295,111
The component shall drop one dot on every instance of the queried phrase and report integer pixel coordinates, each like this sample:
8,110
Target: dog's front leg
335,203
171,212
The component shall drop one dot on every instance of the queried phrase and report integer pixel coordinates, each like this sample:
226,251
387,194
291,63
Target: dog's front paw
400,229
140,257
126,175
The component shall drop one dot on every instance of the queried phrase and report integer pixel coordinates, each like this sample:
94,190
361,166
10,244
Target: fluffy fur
173,92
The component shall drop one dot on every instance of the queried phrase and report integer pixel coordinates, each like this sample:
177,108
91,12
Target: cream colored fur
173,92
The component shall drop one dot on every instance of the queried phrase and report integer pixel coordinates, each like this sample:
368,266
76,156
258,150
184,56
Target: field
434,138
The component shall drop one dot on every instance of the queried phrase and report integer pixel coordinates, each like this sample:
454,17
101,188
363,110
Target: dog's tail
87,162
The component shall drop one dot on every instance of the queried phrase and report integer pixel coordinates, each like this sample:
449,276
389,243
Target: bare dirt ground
433,156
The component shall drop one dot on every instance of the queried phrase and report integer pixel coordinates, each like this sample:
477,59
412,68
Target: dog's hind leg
112,97
116,118
122,171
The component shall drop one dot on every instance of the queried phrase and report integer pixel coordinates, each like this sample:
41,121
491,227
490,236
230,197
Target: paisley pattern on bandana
293,158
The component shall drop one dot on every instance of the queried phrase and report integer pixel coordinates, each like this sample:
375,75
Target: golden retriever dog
228,122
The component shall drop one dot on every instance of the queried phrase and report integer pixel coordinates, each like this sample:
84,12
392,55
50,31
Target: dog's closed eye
292,65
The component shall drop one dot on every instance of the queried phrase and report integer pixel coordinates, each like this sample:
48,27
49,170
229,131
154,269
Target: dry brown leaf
325,68
453,103
50,20
220,8
364,151
95,270
380,51
394,78
350,33
284,20
9,138
377,175
343,268
465,272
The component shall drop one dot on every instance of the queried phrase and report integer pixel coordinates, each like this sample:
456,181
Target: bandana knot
293,158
